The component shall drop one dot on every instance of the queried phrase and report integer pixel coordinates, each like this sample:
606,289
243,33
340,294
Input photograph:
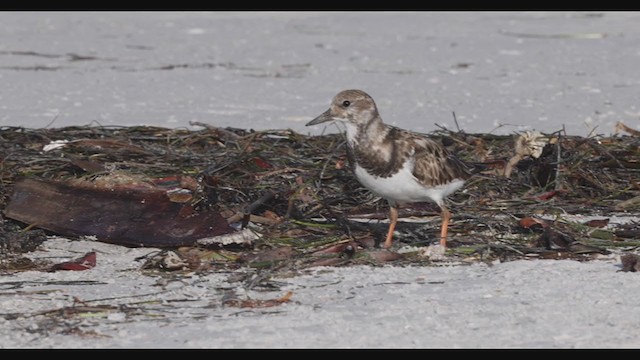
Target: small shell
244,237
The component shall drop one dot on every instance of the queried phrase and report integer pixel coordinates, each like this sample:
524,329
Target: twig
455,120
558,183
268,195
600,149
454,136
20,284
246,213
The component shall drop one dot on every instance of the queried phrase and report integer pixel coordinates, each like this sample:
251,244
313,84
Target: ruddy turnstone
396,164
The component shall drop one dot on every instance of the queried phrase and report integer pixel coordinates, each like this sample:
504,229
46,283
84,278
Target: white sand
519,304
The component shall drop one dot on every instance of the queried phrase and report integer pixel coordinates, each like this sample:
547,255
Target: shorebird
398,165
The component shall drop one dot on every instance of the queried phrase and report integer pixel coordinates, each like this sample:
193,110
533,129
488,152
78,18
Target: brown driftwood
133,216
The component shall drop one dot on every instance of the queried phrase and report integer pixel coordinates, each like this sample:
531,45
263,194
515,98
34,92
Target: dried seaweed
296,190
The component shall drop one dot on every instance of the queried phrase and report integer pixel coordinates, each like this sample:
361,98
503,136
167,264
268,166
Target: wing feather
434,164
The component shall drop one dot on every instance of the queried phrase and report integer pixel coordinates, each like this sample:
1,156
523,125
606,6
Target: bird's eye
346,103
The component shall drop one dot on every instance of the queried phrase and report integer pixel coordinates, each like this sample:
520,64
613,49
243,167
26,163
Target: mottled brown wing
434,165
385,158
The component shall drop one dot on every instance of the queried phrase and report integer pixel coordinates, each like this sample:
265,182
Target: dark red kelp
125,215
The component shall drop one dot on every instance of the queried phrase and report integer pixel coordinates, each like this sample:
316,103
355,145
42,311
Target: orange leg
446,215
393,219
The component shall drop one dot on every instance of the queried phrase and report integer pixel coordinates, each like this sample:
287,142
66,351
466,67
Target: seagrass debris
293,190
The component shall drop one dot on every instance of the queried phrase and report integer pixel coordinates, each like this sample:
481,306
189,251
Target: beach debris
383,255
85,262
15,240
629,231
257,303
545,196
198,258
630,263
118,209
56,144
244,238
555,240
277,200
268,257
165,260
334,255
529,143
532,223
597,223
344,248
433,252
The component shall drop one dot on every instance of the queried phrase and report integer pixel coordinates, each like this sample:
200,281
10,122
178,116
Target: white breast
403,187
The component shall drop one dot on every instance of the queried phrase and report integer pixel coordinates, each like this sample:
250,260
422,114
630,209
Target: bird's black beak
326,116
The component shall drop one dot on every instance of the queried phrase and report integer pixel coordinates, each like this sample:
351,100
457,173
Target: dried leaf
86,262
531,222
272,215
336,249
262,163
88,165
598,223
383,255
545,196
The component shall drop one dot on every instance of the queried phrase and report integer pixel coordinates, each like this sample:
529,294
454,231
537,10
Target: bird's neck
372,132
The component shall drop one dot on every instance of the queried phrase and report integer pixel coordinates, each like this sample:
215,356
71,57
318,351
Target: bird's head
351,106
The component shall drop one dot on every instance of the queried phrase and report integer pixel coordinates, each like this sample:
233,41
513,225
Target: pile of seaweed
296,192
